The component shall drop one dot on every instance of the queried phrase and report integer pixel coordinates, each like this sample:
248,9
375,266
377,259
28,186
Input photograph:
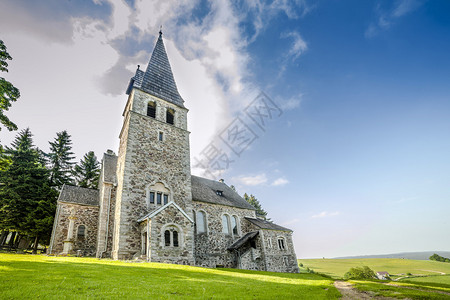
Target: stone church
148,206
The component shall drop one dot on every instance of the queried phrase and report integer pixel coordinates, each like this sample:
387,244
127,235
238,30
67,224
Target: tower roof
158,79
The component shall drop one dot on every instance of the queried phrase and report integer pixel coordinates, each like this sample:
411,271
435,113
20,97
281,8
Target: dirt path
350,293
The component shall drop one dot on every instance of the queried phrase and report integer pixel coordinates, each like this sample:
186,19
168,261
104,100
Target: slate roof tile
263,224
158,79
79,195
204,190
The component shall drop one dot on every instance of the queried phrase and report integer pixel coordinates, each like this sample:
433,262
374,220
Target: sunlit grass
31,276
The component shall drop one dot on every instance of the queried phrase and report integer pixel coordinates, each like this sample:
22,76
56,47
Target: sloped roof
78,195
204,190
158,79
263,224
154,212
238,244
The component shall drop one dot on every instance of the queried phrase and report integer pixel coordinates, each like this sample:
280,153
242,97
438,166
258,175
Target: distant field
336,268
38,276
444,279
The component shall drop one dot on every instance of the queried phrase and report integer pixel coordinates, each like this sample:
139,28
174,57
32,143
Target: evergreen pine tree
255,203
60,160
27,202
87,172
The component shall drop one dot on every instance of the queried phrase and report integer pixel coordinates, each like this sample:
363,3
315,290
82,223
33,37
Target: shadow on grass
54,277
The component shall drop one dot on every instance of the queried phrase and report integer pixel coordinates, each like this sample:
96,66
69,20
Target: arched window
175,238
234,225
226,224
167,238
151,109
172,236
81,233
201,222
281,244
170,116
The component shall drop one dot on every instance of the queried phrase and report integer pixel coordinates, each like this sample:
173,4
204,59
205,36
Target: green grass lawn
38,276
439,279
403,290
336,268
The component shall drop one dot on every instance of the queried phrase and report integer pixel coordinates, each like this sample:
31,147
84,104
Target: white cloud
298,45
280,181
405,6
325,214
291,103
252,180
385,18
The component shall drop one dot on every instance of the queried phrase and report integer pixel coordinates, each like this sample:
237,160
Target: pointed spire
158,78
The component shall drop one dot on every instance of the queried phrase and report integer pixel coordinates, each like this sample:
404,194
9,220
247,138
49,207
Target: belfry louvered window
151,109
170,116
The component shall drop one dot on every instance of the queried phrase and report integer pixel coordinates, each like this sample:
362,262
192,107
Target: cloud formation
325,214
280,181
252,180
386,17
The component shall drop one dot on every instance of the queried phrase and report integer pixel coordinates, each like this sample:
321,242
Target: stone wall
171,219
252,258
211,247
143,161
81,215
276,259
106,220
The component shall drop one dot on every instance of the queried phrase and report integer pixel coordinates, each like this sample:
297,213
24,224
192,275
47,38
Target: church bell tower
153,168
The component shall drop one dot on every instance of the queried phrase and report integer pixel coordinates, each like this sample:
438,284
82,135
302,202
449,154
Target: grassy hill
336,268
424,255
32,276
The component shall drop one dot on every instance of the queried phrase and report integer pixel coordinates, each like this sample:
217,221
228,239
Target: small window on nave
201,222
234,225
81,233
281,244
226,224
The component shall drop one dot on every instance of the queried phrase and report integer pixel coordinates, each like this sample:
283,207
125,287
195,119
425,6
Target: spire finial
160,30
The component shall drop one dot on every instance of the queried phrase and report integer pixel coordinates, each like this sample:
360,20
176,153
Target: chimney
221,181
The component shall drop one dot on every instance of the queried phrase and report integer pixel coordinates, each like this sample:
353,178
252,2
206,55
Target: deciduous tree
8,92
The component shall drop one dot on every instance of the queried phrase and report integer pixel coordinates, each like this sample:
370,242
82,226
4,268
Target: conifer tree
255,203
87,172
27,202
60,160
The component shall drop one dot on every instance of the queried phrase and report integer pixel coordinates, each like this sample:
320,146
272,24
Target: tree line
30,179
30,182
437,257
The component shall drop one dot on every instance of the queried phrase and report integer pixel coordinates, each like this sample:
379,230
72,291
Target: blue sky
358,161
